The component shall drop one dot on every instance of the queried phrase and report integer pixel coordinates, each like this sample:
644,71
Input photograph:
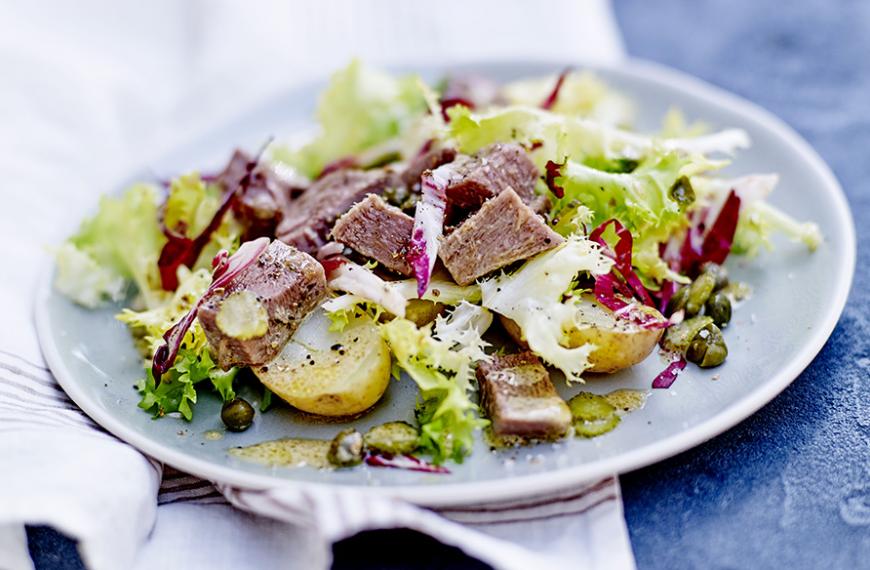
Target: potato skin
619,344
328,373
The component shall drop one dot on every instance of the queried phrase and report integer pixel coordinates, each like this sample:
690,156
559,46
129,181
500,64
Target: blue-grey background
789,487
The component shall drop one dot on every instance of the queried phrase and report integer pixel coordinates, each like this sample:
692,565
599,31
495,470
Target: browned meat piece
260,208
310,217
518,397
428,160
491,171
249,322
541,204
377,230
504,230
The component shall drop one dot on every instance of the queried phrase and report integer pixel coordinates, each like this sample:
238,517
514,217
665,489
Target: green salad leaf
360,108
117,246
177,391
443,370
532,297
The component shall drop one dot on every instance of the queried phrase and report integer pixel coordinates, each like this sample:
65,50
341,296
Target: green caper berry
237,414
678,301
718,308
699,292
719,273
682,192
394,438
346,449
678,337
708,348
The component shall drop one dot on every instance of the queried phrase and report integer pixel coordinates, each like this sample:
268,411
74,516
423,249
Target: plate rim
454,494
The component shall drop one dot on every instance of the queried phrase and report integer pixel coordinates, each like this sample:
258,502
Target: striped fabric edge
31,399
179,487
544,509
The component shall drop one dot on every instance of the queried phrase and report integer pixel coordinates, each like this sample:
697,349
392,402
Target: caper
678,337
719,273
682,192
708,348
699,292
678,300
394,438
718,308
237,415
346,449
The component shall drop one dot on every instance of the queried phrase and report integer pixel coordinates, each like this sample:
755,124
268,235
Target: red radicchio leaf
548,103
404,462
226,269
621,254
428,227
665,293
714,245
669,375
181,250
554,170
720,237
338,164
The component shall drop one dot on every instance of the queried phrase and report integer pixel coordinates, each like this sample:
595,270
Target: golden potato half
329,373
619,343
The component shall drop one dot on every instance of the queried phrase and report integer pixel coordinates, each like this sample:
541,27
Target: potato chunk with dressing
330,373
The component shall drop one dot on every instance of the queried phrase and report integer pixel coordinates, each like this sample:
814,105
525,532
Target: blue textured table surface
789,487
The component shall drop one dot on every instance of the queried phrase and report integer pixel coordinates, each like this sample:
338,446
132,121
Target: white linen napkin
95,89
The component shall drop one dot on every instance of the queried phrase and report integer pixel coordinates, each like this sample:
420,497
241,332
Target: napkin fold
94,90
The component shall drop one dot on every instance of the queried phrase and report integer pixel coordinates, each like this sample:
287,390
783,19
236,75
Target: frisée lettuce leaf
177,390
533,295
118,246
443,367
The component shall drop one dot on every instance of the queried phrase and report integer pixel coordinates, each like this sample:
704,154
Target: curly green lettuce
360,108
582,94
555,137
441,361
643,200
177,390
117,247
533,295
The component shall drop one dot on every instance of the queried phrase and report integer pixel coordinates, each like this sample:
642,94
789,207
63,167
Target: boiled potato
619,343
329,373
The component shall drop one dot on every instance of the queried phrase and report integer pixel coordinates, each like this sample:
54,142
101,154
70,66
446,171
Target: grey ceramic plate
797,301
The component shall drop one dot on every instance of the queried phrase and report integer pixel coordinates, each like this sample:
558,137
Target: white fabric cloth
92,90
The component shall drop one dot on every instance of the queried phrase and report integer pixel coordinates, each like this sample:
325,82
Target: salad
485,241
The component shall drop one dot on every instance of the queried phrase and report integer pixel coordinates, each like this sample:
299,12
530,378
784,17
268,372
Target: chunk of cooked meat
490,172
518,397
309,219
249,322
429,160
377,230
504,230
260,208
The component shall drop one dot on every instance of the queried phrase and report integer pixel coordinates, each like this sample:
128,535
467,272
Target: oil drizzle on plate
626,400
287,452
